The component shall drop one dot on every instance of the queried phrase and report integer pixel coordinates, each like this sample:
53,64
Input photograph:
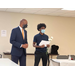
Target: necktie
23,33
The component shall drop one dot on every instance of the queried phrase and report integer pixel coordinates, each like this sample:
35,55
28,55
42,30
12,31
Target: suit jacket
16,40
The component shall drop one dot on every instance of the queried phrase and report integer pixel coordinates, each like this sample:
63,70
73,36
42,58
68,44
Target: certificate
43,42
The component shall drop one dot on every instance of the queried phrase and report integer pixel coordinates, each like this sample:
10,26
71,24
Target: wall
61,28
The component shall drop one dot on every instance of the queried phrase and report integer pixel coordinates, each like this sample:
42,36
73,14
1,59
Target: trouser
38,56
22,59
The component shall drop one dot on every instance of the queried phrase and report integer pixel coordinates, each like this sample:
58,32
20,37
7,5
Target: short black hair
40,25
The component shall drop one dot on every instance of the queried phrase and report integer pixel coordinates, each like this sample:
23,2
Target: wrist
39,46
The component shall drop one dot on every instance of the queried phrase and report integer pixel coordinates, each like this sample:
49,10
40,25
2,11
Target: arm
13,38
34,45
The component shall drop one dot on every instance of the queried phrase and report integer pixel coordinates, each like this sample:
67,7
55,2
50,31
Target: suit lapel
20,33
25,35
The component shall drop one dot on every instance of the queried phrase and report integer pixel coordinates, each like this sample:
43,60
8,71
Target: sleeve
35,39
13,39
21,46
47,38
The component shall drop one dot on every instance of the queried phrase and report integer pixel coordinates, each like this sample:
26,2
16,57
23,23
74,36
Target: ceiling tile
31,10
63,11
47,10
42,11
60,12
3,9
15,9
50,9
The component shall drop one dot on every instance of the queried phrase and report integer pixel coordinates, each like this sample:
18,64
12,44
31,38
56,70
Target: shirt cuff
21,46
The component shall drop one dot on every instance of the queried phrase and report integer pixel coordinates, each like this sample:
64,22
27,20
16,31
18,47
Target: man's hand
48,45
34,45
42,46
25,46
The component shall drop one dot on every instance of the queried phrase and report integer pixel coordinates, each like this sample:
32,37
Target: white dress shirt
21,32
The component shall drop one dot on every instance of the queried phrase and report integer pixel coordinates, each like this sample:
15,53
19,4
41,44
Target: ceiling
42,11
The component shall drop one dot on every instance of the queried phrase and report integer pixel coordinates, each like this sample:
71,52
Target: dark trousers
38,56
22,59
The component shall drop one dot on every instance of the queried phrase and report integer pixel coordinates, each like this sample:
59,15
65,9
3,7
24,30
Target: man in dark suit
19,43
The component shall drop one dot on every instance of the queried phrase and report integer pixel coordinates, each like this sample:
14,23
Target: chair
52,63
62,57
54,49
0,55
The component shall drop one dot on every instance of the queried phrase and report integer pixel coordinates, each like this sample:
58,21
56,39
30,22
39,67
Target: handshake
24,46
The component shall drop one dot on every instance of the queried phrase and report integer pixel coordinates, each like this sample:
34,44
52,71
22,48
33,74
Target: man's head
41,27
23,23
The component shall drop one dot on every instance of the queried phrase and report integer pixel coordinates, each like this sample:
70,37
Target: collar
41,35
20,27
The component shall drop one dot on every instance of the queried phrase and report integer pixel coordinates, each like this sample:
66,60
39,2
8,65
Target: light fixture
70,9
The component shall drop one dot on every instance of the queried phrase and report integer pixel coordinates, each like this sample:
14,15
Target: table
62,62
7,62
32,54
